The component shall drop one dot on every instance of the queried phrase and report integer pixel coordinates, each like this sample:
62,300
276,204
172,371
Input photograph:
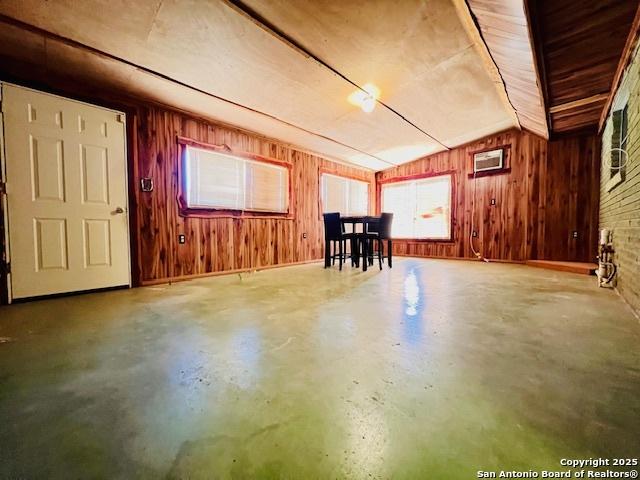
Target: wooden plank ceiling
505,30
580,45
213,59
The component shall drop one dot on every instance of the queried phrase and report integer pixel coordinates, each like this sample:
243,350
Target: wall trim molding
183,278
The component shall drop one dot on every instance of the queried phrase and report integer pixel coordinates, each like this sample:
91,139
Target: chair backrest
332,226
384,227
372,224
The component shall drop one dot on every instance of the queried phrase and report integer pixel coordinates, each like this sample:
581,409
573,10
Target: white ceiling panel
417,53
105,73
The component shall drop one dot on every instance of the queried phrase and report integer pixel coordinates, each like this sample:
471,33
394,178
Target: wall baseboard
183,278
470,259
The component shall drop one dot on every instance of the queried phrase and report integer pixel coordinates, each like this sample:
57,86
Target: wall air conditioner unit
487,161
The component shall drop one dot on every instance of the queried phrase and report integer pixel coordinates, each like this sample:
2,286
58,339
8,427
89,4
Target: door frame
5,252
5,244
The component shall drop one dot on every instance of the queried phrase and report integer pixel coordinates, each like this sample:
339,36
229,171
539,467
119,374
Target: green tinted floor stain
434,369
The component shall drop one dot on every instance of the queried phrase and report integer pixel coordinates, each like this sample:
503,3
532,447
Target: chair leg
340,254
347,253
333,253
380,253
389,251
372,252
351,255
327,254
355,252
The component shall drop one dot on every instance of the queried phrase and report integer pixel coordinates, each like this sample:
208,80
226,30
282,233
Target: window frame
420,176
623,134
184,210
328,171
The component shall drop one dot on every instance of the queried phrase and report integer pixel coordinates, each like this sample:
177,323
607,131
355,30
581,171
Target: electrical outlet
304,235
146,184
493,201
474,234
575,234
182,238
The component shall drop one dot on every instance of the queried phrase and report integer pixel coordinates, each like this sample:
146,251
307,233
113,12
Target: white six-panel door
66,185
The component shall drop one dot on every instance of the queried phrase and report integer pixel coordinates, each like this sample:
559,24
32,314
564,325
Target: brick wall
620,195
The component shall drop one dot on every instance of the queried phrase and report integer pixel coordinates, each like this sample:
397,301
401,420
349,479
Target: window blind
344,195
222,181
421,208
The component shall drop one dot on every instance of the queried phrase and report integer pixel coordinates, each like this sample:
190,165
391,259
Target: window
216,180
344,195
421,208
619,142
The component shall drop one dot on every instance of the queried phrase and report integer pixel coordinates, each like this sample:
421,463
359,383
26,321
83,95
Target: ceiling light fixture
365,98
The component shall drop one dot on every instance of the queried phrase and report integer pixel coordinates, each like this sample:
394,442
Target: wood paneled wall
219,244
566,182
550,192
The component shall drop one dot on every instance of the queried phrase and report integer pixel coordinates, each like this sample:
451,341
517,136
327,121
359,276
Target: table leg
354,252
365,254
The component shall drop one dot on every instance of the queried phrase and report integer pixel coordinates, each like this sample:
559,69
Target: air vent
487,161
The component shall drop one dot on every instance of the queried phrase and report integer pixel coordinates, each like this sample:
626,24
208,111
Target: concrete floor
434,369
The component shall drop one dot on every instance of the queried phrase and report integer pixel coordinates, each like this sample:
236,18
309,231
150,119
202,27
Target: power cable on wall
622,153
477,254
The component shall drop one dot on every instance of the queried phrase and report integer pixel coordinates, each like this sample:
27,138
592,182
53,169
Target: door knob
118,210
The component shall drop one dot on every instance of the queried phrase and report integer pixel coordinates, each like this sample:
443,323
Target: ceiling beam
581,102
538,57
534,20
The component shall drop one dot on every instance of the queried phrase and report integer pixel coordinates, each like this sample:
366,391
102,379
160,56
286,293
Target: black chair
377,230
334,235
